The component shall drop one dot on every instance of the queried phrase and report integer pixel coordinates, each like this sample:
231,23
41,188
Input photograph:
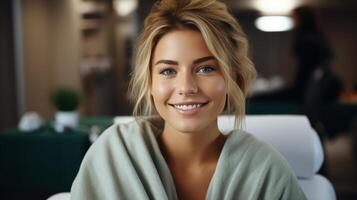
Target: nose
186,84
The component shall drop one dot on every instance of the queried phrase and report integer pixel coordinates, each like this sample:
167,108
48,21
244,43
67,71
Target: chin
189,127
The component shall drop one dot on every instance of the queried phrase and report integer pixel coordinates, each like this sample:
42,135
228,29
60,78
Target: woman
313,56
189,57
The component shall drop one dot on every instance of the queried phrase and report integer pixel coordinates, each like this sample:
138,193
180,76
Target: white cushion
317,187
60,196
291,135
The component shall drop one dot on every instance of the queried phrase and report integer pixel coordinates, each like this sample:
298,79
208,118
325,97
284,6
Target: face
188,87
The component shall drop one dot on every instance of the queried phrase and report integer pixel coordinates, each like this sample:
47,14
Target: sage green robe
126,163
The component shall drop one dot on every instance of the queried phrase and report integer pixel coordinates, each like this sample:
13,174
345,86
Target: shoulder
112,159
246,143
262,168
123,137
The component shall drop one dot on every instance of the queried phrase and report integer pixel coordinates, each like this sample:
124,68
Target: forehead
181,45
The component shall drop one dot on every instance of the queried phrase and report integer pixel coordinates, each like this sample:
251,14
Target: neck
191,149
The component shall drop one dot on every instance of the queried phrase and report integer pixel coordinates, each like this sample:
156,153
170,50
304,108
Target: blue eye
206,69
167,72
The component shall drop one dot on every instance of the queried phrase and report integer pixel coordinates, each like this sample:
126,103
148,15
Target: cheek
221,92
216,88
160,91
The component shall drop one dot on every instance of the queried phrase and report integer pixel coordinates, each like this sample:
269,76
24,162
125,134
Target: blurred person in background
315,82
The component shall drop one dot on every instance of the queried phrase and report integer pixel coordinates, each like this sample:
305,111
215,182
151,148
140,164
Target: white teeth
187,107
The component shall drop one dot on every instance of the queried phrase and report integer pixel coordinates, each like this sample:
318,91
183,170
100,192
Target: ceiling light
275,7
125,7
274,23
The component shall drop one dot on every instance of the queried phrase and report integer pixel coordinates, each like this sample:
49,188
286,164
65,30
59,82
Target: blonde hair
224,38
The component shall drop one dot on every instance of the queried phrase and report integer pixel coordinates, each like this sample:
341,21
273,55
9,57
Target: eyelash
211,68
166,70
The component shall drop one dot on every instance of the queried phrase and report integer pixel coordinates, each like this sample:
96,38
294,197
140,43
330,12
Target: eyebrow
197,61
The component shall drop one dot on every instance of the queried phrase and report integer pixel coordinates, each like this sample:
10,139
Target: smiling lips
188,106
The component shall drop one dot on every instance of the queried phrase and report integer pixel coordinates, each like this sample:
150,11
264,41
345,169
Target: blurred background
87,45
